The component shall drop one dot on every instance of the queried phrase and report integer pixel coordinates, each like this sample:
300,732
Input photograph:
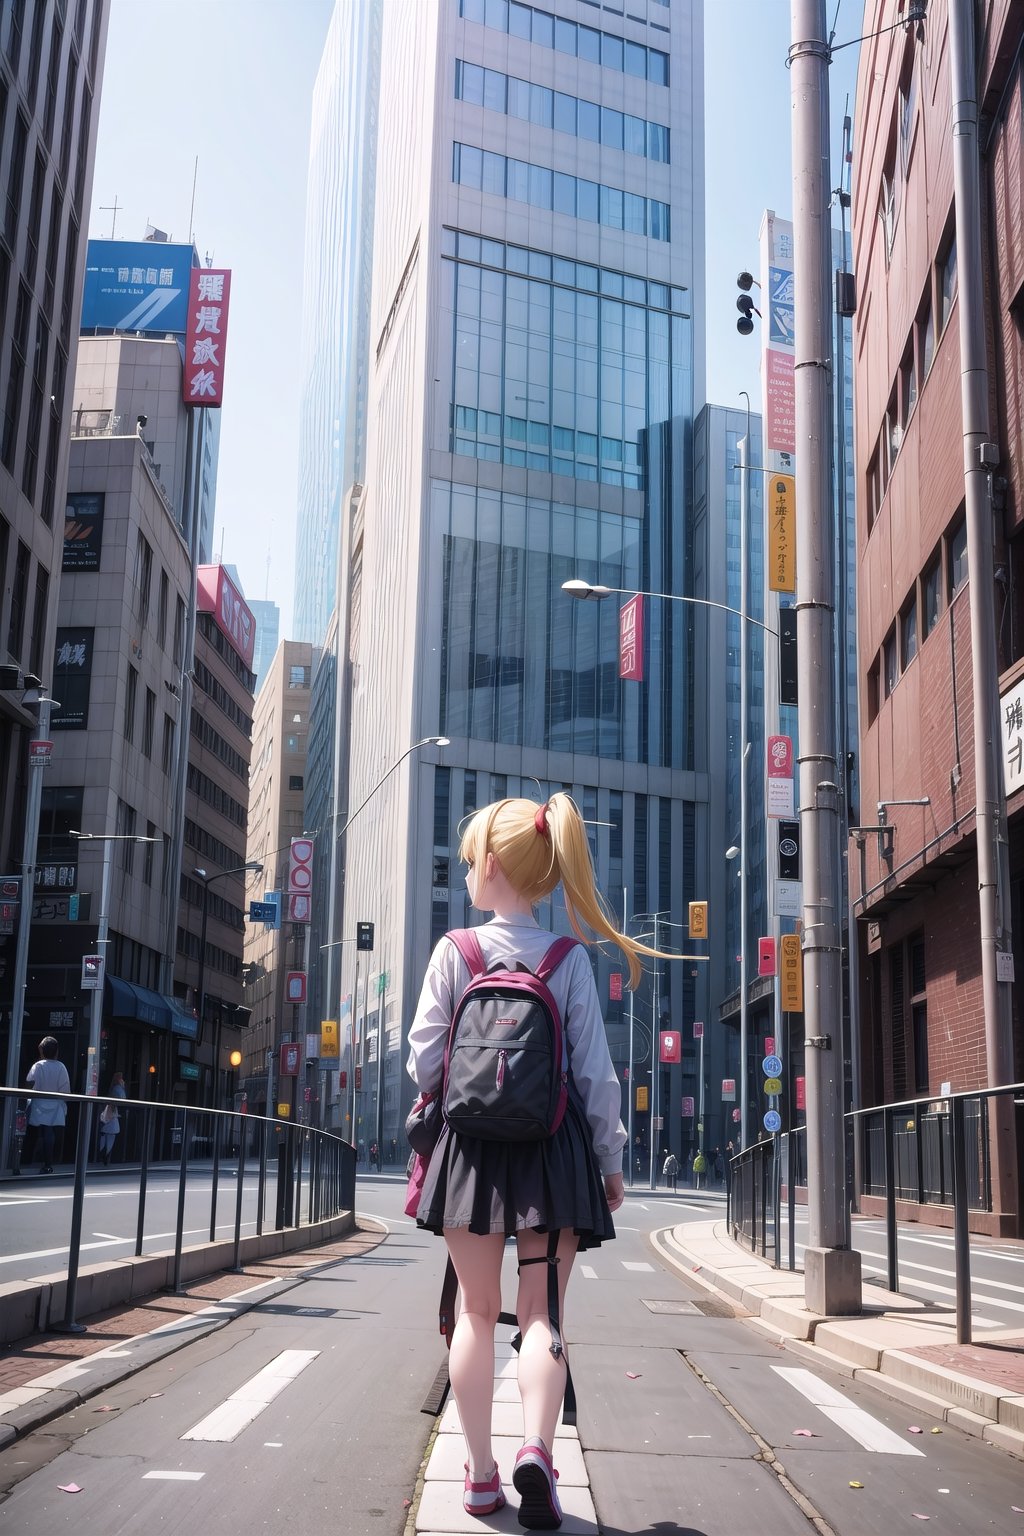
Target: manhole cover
688,1308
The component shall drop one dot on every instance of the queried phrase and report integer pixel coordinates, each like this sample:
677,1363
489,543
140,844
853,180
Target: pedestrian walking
700,1168
48,1075
564,1184
716,1164
110,1119
671,1171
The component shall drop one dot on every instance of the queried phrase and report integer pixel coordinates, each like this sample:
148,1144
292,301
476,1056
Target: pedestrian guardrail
764,1181
313,1170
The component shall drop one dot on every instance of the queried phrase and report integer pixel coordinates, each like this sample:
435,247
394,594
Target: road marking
273,1445
50,1253
228,1421
587,1272
930,1269
869,1432
643,1269
175,1477
685,1205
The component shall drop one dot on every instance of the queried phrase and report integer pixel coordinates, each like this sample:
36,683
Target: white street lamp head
733,852
438,741
586,590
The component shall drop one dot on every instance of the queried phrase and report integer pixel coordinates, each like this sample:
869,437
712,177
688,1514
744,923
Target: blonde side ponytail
582,899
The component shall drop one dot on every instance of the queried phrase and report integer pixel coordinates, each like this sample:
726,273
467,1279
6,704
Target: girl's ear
490,867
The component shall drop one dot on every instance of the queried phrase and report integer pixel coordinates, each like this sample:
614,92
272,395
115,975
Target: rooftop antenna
113,209
192,210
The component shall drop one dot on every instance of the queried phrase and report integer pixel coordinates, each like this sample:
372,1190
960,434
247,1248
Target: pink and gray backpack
506,1067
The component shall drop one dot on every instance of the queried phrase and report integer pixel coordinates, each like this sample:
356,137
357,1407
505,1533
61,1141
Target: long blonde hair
539,847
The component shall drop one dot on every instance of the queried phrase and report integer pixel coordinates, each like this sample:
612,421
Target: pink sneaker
483,1498
534,1478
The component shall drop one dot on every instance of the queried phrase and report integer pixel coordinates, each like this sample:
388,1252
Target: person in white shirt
476,1193
48,1075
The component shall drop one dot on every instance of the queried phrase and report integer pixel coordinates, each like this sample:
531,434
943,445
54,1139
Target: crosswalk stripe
869,1432
228,1421
175,1477
644,1269
587,1272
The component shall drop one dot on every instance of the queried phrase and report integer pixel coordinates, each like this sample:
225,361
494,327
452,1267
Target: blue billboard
136,285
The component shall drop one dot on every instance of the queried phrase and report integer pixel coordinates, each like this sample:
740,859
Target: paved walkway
904,1346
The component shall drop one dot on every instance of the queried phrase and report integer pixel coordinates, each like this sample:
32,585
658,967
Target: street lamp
92,1061
207,881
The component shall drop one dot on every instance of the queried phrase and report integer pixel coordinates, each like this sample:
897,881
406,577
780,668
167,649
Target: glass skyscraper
536,327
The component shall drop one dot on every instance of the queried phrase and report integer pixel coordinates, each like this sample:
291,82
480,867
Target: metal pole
92,1061
961,1231
243,1127
201,979
69,1325
831,1268
352,1055
700,1091
147,1137
381,999
655,1054
631,1091
891,1229
979,459
179,1225
261,1188
744,465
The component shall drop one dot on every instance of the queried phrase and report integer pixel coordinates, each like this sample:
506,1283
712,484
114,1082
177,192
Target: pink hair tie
540,820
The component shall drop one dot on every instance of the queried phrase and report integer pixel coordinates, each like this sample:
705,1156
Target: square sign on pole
364,936
92,973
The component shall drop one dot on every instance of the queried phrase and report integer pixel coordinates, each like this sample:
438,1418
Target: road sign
736,1115
39,754
92,973
290,1058
264,912
295,986
615,986
728,1090
188,1071
791,980
698,919
330,1048
773,1120
641,1097
283,1111
698,1029
671,1046
687,1109
769,1045
772,1066
766,957
364,936
772,1086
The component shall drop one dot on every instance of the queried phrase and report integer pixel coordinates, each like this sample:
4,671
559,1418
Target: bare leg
477,1261
541,1376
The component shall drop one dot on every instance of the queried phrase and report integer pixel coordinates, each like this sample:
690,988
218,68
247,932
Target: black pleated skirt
509,1187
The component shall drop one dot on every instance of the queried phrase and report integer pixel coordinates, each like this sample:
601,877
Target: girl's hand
614,1192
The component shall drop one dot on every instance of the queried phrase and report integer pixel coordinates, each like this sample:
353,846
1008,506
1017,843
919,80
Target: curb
41,1405
951,1397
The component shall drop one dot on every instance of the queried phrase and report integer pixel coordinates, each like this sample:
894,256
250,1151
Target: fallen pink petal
914,1429
633,1375
811,1434
921,1517
69,1488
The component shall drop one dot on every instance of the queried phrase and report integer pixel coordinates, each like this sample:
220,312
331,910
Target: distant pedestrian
394,1149
374,1159
716,1163
730,1152
671,1171
110,1119
48,1075
700,1168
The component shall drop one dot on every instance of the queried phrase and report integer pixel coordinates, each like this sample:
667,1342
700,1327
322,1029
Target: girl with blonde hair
477,1193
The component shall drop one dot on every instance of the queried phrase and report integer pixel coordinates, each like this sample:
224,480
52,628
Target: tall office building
51,65
537,327
268,632
337,280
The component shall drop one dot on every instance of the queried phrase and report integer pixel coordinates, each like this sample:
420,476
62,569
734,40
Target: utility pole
832,1275
744,468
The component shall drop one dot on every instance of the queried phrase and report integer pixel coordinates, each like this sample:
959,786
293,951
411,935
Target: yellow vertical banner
698,919
791,974
329,1043
782,533
641,1098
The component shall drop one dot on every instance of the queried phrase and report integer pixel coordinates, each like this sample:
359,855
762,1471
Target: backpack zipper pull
500,1074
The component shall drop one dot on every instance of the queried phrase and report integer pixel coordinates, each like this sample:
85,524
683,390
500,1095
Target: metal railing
310,1168
922,1151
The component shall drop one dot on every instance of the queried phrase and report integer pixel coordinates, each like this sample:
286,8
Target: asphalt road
683,1415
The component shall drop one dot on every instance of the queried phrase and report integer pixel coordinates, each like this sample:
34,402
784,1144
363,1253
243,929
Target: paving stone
448,1458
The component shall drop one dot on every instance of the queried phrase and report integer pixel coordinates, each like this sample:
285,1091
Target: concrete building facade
915,879
536,330
280,738
51,67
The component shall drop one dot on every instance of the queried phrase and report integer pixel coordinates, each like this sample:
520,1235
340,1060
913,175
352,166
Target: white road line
228,1421
587,1272
685,1205
976,1280
643,1269
175,1477
869,1432
977,1284
50,1253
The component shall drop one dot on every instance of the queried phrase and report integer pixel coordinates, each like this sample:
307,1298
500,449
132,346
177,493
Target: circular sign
772,1085
788,847
773,1120
772,1066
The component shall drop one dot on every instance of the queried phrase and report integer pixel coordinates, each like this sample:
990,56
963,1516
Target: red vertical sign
615,986
766,957
671,1045
631,640
801,1093
202,380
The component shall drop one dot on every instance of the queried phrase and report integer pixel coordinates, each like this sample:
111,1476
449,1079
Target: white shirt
49,1076
572,986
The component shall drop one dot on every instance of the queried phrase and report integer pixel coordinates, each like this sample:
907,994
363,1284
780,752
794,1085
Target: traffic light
745,304
364,936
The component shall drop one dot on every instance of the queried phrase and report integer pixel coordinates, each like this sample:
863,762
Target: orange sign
791,974
782,533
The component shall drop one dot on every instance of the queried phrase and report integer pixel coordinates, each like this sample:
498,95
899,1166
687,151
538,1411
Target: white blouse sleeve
428,1033
591,1065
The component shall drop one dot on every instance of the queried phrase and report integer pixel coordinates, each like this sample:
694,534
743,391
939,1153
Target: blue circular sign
773,1120
772,1066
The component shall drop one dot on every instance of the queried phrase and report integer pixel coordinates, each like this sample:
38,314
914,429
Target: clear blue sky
247,119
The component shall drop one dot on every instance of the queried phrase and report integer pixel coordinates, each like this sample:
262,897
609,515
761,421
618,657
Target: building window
887,211
874,503
167,752
893,431
908,385
890,663
148,722
908,633
576,40
931,597
143,578
147,859
919,1014
947,284
907,107
926,337
298,677
161,616
295,781
957,558
521,182
35,650
19,598
125,828
130,691
179,631
15,179
555,109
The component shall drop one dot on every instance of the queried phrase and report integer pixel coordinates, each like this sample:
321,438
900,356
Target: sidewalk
46,1374
905,1347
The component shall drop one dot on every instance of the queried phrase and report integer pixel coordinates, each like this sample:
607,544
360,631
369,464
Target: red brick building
915,885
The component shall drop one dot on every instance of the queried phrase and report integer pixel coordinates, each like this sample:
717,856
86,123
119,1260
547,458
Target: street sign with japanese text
202,378
92,973
671,1046
698,1029
330,1048
698,912
295,987
615,986
641,1097
1011,726
364,936
779,773
631,640
300,866
687,1108
264,912
791,979
300,909
728,1090
290,1058
782,533
766,957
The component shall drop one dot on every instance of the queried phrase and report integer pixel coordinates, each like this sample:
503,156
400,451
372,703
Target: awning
183,1021
125,1000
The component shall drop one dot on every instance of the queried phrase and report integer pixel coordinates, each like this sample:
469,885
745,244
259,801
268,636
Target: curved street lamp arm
428,741
675,597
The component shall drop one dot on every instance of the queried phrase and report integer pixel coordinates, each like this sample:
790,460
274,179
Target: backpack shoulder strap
554,957
468,946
